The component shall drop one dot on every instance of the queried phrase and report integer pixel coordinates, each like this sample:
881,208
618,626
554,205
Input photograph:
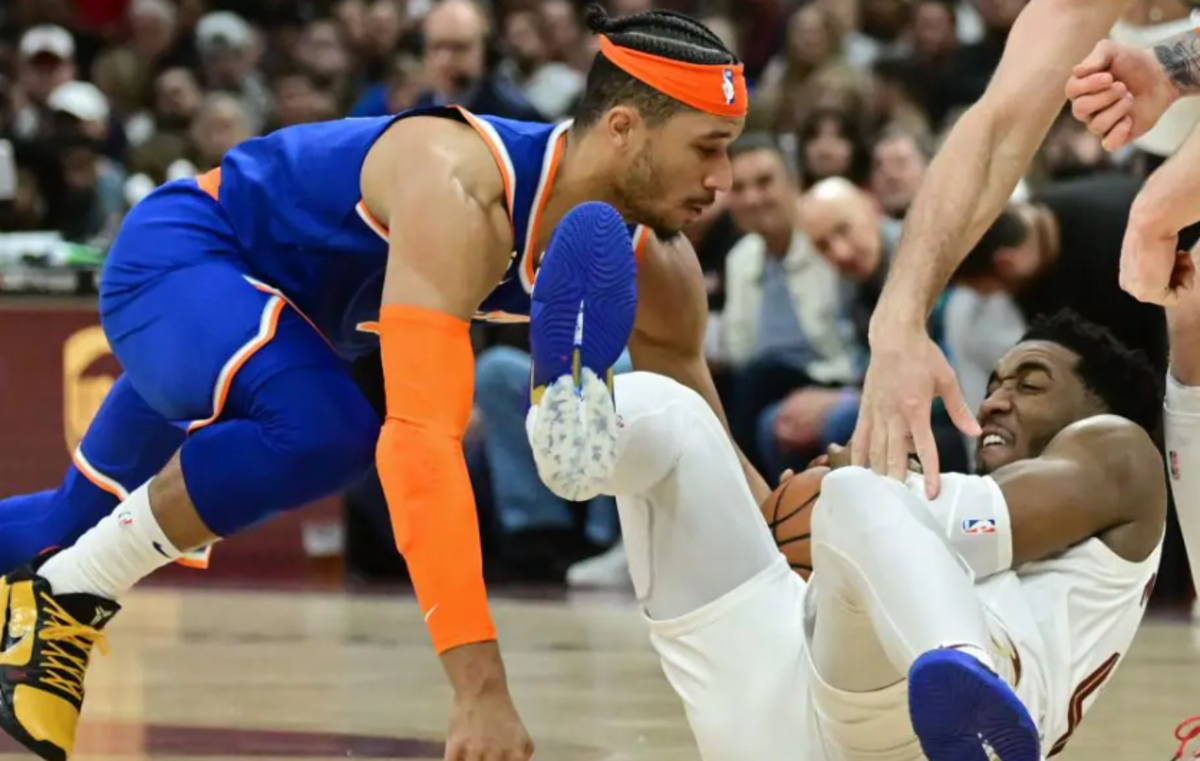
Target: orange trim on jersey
719,90
376,226
641,238
499,153
197,560
261,286
535,222
99,480
266,331
109,485
210,183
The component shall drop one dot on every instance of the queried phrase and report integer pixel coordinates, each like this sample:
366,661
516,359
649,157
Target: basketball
788,512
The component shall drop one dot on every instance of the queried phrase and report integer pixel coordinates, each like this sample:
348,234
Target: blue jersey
294,201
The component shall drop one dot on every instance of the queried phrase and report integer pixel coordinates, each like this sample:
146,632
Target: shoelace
1188,730
65,670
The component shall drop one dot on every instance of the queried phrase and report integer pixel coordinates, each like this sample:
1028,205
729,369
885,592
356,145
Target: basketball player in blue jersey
235,302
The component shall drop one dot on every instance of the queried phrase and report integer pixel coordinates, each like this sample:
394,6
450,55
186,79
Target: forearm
988,151
1170,199
965,189
1180,59
429,378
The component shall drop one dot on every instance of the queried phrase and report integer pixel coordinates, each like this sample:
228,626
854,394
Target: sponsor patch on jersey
979,526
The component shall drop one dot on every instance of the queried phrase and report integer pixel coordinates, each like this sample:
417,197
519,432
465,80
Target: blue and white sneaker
962,711
583,306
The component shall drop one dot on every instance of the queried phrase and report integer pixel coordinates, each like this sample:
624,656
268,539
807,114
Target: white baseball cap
83,100
222,29
48,38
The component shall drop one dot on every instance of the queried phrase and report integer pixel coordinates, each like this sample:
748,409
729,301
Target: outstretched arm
668,336
988,151
968,184
448,241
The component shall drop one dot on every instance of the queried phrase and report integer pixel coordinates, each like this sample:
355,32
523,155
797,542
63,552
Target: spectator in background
894,96
45,60
221,122
458,67
551,87
898,162
811,63
845,225
782,326
94,197
1071,151
298,99
322,55
565,42
831,145
1062,249
229,56
536,530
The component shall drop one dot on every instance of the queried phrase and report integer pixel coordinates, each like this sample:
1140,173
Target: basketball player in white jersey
999,611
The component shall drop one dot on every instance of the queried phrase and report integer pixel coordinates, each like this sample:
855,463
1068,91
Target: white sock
115,554
869,540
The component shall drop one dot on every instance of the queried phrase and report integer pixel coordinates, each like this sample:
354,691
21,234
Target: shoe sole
582,313
956,705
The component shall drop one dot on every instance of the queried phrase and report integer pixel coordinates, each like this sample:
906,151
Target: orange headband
716,89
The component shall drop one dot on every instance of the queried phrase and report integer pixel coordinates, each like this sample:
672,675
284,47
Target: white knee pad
970,515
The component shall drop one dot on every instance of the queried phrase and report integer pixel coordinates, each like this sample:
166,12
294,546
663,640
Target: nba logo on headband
728,88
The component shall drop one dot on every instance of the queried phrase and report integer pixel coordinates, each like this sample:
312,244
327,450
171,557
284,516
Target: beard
640,186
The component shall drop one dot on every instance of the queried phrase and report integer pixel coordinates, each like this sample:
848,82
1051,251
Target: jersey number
1085,690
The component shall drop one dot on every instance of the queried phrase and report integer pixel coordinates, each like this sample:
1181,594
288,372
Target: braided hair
657,32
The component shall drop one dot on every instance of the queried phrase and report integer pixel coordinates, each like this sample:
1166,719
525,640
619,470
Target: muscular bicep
447,223
1100,478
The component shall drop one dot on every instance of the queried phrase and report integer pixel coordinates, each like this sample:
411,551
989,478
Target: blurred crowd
103,100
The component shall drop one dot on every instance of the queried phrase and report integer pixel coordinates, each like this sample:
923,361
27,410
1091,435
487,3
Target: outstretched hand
907,371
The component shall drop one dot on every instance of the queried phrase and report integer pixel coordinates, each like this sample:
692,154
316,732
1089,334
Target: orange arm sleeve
429,377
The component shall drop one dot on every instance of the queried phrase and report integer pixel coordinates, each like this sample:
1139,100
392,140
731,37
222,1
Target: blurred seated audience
783,326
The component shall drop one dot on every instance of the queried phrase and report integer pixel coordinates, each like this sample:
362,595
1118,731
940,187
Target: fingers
1084,107
1105,121
1119,136
960,412
1078,87
927,453
880,443
897,449
1099,59
860,442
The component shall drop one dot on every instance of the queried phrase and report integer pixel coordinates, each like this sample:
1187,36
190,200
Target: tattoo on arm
1180,58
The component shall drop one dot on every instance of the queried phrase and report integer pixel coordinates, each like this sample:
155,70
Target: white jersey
1072,619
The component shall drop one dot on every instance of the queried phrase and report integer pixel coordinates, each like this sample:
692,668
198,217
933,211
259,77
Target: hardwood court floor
202,673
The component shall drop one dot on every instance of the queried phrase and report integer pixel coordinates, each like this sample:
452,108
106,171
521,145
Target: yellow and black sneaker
44,654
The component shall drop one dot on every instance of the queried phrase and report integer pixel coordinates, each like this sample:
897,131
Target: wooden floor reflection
297,675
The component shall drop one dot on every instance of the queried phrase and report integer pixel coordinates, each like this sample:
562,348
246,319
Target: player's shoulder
1123,454
432,148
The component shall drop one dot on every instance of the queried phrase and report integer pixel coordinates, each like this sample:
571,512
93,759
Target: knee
332,438
639,393
851,500
858,508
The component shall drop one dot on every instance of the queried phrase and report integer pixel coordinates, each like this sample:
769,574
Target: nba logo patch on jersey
1174,458
728,88
979,526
